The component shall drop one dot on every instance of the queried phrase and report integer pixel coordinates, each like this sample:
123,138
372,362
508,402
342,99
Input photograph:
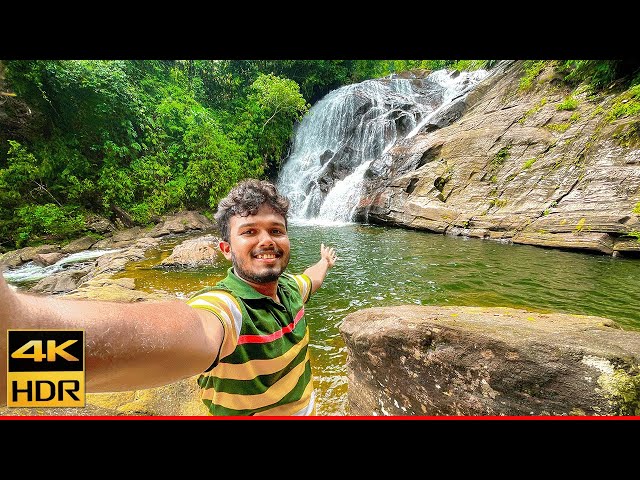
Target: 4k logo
45,368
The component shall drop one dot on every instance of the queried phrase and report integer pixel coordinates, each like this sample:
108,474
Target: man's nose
266,240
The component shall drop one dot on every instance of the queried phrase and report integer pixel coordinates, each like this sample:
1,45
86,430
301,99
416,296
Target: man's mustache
275,250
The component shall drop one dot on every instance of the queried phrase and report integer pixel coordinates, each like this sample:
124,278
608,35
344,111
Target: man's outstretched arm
318,271
129,346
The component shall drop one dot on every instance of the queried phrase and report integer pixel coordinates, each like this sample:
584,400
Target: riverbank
75,267
93,279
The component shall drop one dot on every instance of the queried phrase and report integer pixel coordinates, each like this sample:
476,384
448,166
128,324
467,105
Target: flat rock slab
469,361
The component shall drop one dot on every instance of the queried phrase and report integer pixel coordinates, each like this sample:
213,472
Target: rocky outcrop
127,244
16,258
194,253
79,244
432,361
181,223
46,259
518,165
172,224
103,287
63,282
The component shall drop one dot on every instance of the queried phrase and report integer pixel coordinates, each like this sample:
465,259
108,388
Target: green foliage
470,65
48,222
397,66
500,157
273,105
636,209
558,127
497,202
25,179
147,136
225,82
94,99
627,105
597,73
622,389
628,135
569,103
547,211
216,163
529,162
532,69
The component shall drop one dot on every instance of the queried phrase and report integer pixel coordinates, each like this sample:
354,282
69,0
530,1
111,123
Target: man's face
258,246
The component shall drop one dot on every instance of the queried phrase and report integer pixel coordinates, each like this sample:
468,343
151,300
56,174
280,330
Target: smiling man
263,366
245,337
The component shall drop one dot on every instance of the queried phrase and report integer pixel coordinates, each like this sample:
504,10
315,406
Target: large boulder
194,253
46,259
80,244
181,222
432,361
15,258
62,282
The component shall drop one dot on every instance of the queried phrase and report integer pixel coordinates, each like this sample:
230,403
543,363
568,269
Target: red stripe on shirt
272,336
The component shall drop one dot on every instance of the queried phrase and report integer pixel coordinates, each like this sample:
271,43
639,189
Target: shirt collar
240,287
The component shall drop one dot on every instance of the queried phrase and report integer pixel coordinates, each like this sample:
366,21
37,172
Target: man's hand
328,254
318,272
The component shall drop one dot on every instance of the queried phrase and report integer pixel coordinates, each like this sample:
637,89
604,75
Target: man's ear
225,248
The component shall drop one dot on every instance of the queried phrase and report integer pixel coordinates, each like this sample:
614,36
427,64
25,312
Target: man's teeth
266,255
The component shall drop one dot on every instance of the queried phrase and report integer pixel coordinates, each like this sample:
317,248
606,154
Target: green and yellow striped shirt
263,365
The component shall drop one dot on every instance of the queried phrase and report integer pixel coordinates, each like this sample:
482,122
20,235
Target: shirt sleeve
304,285
224,306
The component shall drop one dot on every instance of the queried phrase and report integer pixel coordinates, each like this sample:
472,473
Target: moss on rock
622,389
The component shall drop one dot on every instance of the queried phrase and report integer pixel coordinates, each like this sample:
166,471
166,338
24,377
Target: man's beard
268,276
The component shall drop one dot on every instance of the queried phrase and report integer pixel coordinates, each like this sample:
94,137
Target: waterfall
352,126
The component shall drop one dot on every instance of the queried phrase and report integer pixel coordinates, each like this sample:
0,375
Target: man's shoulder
299,282
218,287
292,279
217,299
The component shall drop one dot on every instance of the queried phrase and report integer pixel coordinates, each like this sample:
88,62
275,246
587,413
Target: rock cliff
547,166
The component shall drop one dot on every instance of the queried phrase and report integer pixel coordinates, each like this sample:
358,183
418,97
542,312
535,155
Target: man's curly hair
245,199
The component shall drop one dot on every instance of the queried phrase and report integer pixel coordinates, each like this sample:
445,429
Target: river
381,266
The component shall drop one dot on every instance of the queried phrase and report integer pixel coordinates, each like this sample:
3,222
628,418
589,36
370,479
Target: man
246,337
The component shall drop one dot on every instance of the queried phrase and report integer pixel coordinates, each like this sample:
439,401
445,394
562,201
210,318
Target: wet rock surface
470,361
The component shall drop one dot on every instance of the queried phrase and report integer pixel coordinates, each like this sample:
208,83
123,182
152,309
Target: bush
47,222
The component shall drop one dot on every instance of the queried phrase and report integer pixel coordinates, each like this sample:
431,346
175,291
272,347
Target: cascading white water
353,126
454,88
30,271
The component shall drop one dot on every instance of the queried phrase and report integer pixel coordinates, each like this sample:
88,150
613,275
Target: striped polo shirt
263,365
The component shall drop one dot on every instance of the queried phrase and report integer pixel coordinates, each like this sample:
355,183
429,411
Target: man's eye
277,231
246,232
